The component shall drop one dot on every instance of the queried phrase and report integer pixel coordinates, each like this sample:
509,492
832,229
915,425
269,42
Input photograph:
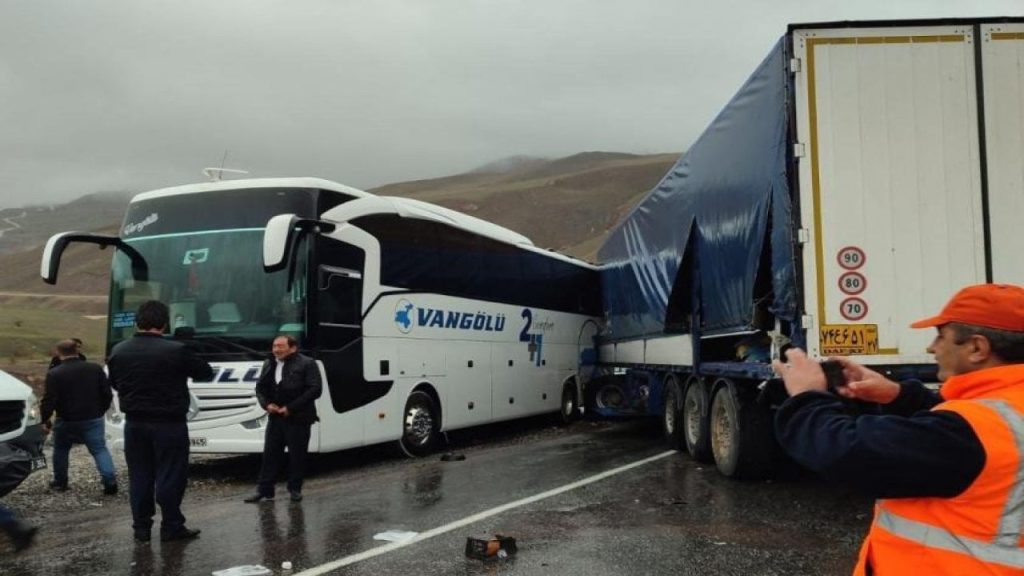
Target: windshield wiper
206,338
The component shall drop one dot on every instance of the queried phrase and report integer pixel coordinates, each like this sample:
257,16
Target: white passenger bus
422,319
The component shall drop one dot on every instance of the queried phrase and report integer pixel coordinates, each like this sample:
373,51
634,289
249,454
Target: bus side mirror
281,236
278,239
50,263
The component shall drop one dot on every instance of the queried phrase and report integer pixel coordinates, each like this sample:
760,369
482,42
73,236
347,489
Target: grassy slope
29,330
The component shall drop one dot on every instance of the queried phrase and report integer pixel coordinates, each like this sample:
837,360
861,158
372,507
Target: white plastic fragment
244,570
395,535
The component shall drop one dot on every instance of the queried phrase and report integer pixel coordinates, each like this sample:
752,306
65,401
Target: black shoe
183,534
58,487
296,496
21,534
110,489
142,536
257,497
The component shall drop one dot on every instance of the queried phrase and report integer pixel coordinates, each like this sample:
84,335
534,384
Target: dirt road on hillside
86,297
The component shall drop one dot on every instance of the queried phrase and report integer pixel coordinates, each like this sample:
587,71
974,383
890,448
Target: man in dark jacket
151,376
79,393
287,389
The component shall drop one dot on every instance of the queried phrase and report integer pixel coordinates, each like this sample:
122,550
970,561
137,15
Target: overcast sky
134,95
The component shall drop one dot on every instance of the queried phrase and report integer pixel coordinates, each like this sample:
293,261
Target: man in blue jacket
150,374
287,389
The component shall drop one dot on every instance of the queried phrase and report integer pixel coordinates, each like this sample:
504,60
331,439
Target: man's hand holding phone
839,375
865,384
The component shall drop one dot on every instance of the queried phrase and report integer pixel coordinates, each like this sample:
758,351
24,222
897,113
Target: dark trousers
157,457
282,433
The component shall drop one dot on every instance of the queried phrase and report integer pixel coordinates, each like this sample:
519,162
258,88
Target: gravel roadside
210,476
217,476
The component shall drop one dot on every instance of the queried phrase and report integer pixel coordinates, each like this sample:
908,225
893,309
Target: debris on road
244,570
395,535
496,546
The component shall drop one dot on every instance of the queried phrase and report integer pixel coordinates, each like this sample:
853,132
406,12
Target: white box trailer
864,173
911,172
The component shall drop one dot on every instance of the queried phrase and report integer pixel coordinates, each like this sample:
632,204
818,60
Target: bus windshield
214,284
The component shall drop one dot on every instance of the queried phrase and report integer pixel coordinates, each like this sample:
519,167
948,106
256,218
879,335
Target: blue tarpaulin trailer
862,174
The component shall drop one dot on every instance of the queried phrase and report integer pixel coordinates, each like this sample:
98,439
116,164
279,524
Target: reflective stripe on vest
1012,520
942,539
1004,549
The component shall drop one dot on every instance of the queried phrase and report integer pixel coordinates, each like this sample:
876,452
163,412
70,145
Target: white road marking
379,550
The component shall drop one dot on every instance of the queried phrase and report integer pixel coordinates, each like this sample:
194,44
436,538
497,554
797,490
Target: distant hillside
84,269
23,228
568,204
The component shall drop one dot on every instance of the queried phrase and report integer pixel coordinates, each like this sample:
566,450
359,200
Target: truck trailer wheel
695,421
420,423
671,418
741,434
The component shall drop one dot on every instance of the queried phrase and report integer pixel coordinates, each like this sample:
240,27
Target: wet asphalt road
669,516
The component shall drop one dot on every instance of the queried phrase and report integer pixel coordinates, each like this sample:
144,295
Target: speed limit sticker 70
853,309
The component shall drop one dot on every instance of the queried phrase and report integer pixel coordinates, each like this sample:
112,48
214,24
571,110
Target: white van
21,433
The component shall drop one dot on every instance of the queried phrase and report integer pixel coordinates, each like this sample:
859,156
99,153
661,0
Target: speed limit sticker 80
852,283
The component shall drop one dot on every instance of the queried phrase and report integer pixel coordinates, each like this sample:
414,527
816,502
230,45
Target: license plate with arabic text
848,339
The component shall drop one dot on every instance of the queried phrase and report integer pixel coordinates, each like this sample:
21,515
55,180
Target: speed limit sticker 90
851,257
853,309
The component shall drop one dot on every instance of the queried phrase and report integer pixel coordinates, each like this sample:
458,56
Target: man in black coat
151,375
287,389
79,393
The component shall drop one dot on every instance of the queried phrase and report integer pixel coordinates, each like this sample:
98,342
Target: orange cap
999,306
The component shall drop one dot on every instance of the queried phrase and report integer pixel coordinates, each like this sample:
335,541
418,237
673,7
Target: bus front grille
12,412
216,404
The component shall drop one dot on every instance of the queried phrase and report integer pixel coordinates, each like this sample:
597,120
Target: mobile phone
833,374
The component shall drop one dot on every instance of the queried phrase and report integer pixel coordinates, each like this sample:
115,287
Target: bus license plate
197,442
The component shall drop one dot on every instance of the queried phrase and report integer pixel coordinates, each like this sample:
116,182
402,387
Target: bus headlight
32,403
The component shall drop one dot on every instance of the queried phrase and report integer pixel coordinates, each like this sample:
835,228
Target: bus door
339,344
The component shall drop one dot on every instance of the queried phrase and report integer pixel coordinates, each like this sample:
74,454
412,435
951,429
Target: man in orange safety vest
947,467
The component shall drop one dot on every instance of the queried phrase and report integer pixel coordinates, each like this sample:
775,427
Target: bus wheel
741,435
671,421
419,425
570,408
695,422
